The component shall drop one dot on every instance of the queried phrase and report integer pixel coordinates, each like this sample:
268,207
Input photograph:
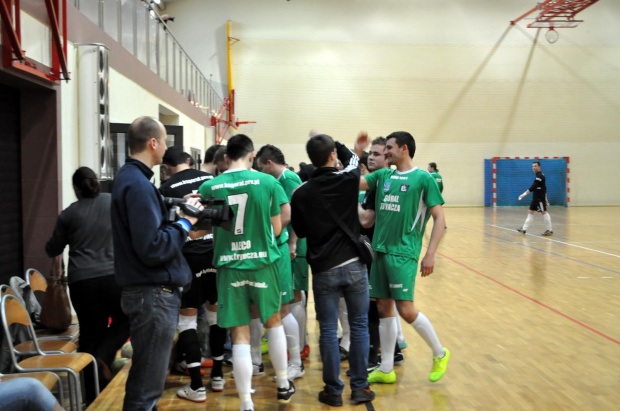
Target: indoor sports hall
485,87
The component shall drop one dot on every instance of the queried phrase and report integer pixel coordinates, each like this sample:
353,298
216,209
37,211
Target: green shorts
393,276
286,276
300,273
238,289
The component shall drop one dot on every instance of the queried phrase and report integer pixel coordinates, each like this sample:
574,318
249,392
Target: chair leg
61,394
77,389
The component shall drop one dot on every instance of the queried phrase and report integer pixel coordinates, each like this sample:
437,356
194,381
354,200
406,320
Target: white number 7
241,200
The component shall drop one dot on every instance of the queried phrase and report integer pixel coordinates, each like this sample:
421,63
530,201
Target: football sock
388,335
424,327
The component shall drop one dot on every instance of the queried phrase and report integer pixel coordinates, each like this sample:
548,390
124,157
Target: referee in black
539,200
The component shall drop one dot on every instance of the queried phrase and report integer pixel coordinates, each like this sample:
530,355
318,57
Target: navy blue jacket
147,247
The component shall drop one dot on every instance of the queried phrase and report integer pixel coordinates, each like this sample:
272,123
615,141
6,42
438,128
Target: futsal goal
508,177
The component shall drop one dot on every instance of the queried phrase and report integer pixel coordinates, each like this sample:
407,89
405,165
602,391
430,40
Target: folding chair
49,345
38,285
48,379
13,312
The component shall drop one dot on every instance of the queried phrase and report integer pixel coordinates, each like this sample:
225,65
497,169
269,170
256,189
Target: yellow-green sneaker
264,346
440,364
378,376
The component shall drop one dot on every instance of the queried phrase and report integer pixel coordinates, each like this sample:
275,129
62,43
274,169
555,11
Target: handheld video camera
220,216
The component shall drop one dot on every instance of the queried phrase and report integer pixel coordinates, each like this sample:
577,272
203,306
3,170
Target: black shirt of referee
539,188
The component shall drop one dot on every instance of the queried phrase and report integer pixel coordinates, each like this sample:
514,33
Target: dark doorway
11,251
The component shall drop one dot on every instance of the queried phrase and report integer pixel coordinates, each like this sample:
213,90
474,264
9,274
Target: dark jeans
351,281
153,313
96,300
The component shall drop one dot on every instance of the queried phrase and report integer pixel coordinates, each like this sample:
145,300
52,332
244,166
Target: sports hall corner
528,303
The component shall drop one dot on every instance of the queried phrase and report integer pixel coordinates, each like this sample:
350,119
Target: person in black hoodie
335,263
148,264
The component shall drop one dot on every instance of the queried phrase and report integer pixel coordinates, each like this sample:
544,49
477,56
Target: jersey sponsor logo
241,245
398,178
237,184
390,207
205,271
243,283
390,198
386,186
404,188
244,256
405,289
396,286
191,181
438,180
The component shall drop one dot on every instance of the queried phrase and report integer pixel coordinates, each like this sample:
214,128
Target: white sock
528,221
242,366
256,334
299,312
387,336
345,341
547,219
291,330
400,337
424,327
277,354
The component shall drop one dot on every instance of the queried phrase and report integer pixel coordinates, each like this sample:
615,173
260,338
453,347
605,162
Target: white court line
558,241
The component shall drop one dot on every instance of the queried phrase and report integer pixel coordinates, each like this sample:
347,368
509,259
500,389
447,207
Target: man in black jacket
148,263
335,264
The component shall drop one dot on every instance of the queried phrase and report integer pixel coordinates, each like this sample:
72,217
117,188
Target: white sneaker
200,395
293,372
217,384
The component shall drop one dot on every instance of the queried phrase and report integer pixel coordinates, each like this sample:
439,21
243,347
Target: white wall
456,75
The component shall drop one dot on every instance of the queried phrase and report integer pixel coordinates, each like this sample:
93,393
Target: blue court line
549,252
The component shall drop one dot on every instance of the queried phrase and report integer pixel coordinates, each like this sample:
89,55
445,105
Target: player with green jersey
432,169
246,258
405,199
270,160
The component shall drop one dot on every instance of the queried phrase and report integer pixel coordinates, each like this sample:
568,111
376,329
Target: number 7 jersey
252,197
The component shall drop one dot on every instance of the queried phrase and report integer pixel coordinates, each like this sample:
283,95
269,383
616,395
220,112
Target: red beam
7,25
58,49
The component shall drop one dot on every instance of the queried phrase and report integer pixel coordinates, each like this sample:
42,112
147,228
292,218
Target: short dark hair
239,146
319,148
364,159
141,131
536,162
210,153
188,156
379,140
270,152
433,165
86,182
173,157
219,154
402,137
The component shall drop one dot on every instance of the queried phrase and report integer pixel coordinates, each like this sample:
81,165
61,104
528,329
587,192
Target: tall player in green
246,259
406,198
270,160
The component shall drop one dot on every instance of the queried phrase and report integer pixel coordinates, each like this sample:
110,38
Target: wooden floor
533,323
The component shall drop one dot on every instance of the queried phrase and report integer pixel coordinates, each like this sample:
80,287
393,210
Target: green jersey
290,181
402,208
438,179
281,198
252,197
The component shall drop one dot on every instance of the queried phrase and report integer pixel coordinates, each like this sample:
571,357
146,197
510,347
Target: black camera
216,212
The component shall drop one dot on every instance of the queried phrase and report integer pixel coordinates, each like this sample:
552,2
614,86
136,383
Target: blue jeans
25,394
350,281
153,313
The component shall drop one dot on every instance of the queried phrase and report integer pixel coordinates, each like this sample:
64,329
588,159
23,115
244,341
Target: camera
216,212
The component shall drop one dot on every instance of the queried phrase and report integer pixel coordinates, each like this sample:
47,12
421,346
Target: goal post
511,176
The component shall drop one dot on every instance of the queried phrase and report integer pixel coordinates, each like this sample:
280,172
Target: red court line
532,300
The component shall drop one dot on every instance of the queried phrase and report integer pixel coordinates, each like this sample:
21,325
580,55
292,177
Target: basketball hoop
552,35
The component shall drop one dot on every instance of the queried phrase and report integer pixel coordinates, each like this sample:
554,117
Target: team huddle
253,274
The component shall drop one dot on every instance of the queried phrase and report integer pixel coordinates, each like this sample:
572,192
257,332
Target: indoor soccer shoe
200,395
521,230
547,233
217,384
380,377
305,352
181,368
440,364
285,394
293,372
264,346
